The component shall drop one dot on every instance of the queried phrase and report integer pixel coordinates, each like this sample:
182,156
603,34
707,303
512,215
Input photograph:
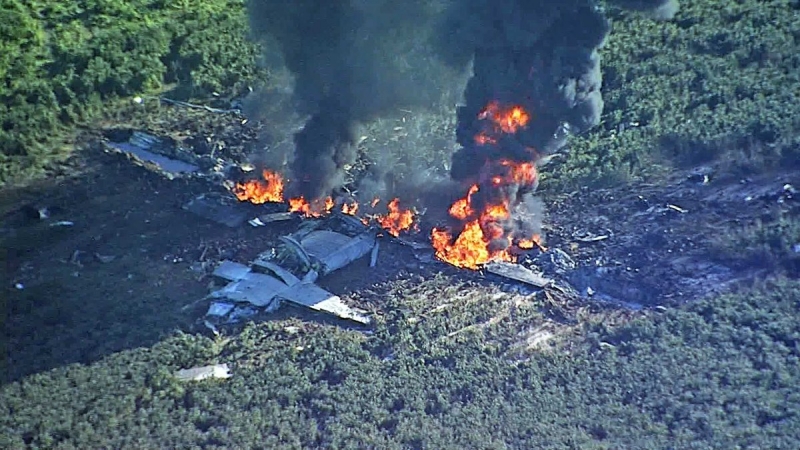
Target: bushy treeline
720,78
721,75
62,62
717,374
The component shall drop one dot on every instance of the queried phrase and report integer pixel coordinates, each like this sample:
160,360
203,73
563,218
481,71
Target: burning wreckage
534,82
331,236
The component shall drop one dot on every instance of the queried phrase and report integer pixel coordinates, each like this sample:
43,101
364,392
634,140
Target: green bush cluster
721,75
720,373
63,62
771,243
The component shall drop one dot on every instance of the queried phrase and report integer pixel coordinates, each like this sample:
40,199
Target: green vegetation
720,77
63,63
768,243
717,374
449,365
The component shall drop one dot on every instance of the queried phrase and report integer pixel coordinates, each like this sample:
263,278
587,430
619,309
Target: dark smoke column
345,58
536,78
541,55
313,38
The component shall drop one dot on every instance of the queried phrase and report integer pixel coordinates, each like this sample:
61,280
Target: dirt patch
647,244
111,267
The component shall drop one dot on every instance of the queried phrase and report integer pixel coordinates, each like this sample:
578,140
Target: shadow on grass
107,270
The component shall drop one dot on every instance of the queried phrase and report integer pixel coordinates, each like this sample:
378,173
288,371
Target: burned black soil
663,244
117,263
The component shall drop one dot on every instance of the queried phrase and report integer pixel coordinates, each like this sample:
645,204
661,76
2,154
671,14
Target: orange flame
502,120
521,173
482,237
397,219
316,208
350,208
461,209
482,139
471,248
508,120
534,241
269,189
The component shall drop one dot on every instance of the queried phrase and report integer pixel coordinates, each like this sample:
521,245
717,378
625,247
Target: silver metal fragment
231,271
205,372
287,277
219,309
222,210
265,219
62,223
254,288
332,250
314,297
518,273
373,257
139,147
677,208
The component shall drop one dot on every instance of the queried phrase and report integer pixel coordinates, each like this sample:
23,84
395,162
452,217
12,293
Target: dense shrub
60,62
720,373
720,76
27,103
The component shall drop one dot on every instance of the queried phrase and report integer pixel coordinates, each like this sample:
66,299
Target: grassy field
450,364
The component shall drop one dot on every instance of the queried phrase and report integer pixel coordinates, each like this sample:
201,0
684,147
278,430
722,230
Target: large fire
397,219
500,120
315,208
270,188
481,236
483,215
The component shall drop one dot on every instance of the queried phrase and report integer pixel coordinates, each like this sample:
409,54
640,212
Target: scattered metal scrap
265,219
167,156
227,210
373,257
203,373
194,106
517,273
222,209
677,208
589,237
288,272
148,150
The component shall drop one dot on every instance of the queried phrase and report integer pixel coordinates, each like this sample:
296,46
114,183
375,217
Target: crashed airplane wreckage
288,272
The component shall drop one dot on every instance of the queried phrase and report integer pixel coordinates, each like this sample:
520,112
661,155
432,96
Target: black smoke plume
540,56
345,58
